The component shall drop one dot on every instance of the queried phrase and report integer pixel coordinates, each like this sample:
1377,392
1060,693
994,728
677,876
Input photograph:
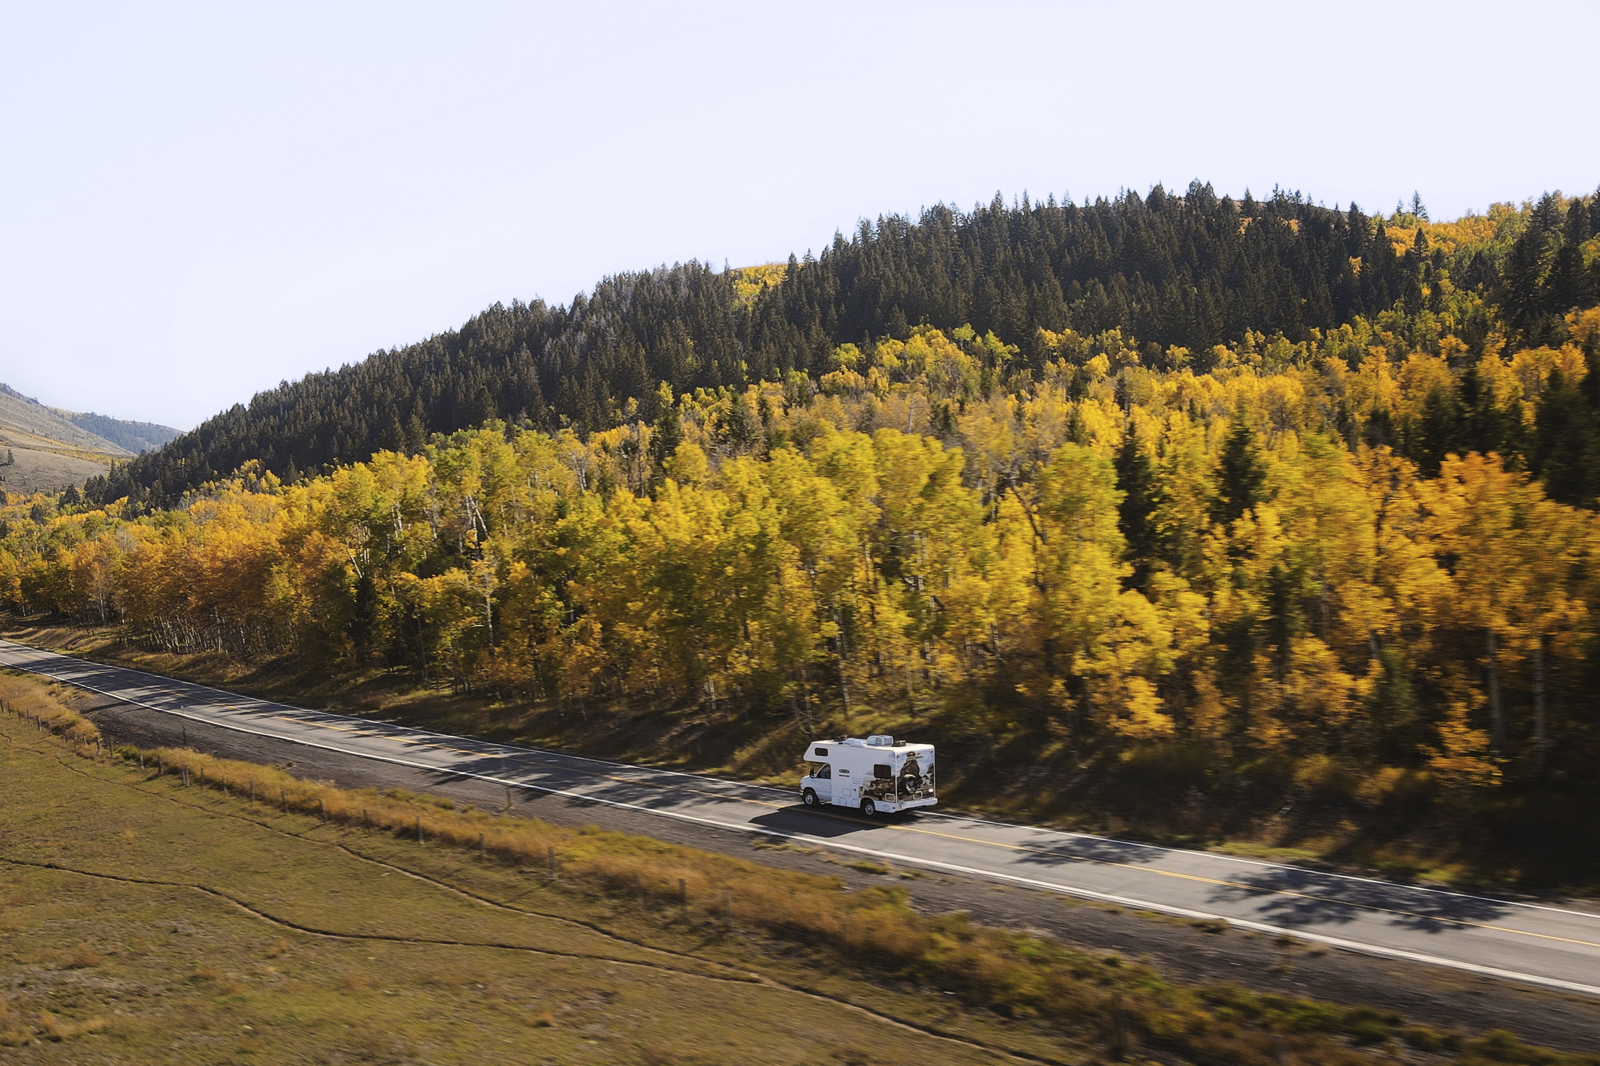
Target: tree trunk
1540,739
844,682
1497,718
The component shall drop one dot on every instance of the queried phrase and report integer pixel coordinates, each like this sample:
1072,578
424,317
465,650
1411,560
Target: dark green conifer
1241,477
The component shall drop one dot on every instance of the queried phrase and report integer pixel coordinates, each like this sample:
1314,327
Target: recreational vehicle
873,775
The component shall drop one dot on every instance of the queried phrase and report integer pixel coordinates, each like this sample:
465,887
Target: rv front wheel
809,798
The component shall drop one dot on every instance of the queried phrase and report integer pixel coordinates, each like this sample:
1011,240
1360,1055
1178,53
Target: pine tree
1566,450
1240,474
1136,481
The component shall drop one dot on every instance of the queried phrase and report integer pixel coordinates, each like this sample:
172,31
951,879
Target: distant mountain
40,451
28,423
134,436
45,449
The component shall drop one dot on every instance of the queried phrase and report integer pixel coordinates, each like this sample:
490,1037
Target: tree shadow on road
1090,849
1296,898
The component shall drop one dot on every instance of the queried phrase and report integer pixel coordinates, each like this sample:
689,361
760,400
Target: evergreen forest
1222,487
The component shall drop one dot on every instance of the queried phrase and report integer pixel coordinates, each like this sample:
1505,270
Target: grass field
145,919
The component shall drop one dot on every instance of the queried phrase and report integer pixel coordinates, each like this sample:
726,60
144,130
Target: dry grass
14,1030
83,958
36,702
1017,976
842,935
465,962
614,862
55,1029
19,1029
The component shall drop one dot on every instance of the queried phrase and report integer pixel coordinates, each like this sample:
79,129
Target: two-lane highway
1547,945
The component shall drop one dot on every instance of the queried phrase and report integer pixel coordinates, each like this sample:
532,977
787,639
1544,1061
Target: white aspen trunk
1540,739
1497,718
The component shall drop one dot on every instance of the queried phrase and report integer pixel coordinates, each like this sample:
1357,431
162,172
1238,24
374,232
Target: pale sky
202,199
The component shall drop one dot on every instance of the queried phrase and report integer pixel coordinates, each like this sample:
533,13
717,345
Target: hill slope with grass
42,451
168,905
29,422
133,437
45,449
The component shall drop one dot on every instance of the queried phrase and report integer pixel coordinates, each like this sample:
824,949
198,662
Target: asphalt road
1554,946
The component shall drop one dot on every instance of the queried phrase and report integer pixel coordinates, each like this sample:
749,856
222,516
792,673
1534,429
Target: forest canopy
1259,477
1182,274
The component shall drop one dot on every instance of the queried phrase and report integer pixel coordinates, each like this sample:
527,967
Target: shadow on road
1089,849
824,824
1302,898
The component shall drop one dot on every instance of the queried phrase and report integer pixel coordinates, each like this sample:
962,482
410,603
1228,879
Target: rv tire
809,798
868,809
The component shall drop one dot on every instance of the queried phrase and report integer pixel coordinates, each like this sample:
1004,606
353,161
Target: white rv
875,774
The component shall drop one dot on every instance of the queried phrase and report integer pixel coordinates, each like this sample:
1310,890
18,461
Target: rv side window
882,772
822,752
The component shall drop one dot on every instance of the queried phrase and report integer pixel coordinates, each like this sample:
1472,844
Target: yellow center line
1287,893
1177,875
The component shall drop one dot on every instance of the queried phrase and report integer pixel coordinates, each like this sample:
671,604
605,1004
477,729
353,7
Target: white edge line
1086,893
941,815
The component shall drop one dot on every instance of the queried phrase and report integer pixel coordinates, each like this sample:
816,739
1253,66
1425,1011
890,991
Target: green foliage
1331,542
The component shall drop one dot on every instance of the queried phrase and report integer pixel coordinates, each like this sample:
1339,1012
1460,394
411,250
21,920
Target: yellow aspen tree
1480,523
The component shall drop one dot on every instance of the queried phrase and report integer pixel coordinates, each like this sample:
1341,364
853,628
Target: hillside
30,423
1336,594
45,449
44,452
134,437
1181,273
